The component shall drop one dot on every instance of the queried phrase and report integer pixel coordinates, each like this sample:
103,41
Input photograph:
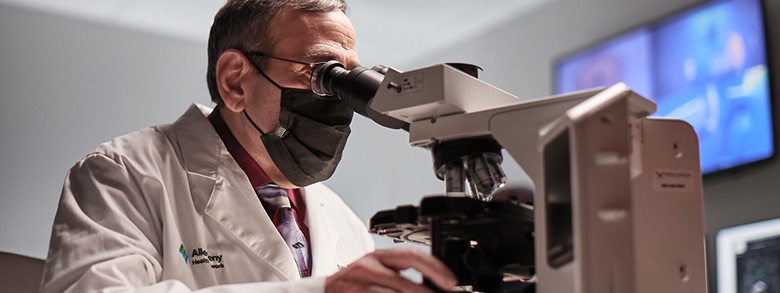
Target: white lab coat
168,209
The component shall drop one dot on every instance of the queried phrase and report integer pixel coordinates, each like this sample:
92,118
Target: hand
379,272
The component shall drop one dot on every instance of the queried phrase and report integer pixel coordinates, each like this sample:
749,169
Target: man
186,206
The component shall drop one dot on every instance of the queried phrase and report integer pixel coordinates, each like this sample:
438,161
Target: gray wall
68,85
65,87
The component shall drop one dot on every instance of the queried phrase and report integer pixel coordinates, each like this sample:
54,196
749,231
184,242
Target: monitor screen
748,258
706,65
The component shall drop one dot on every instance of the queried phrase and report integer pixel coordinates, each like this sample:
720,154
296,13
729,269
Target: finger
354,287
401,285
429,266
371,271
378,289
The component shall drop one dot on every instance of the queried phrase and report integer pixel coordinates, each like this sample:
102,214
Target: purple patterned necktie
275,200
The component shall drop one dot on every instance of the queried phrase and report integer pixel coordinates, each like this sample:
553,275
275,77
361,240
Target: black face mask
312,133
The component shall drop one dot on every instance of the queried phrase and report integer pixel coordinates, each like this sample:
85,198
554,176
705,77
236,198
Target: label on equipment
673,180
410,84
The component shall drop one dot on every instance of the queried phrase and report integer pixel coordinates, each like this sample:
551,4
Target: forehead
314,36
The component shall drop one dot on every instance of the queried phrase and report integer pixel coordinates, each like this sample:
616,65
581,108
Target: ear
233,71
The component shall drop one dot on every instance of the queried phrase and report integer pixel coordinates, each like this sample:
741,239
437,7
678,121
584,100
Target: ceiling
388,32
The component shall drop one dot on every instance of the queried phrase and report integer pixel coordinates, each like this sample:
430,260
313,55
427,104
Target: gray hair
245,25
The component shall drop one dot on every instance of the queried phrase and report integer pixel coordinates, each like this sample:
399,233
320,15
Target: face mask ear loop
263,74
253,123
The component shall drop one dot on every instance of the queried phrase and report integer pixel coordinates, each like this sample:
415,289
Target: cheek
265,104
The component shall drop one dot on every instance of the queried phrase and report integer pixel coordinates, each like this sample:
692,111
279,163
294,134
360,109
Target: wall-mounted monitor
706,65
748,258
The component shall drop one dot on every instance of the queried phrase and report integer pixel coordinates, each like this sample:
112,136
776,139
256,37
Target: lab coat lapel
236,207
223,192
324,235
199,149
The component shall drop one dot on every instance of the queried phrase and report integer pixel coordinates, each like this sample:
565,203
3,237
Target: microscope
616,205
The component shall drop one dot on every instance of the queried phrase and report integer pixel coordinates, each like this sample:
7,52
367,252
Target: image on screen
758,267
706,65
748,258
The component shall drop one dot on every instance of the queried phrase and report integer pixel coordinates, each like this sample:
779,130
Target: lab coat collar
199,146
222,191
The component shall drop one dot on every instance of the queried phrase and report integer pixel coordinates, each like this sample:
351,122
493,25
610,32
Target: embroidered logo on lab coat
200,256
183,252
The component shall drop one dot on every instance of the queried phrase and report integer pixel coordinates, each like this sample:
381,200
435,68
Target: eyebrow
319,55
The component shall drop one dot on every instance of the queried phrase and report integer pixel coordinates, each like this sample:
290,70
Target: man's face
302,36
307,37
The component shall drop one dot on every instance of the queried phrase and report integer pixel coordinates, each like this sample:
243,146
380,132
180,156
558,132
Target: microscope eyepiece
323,76
356,87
